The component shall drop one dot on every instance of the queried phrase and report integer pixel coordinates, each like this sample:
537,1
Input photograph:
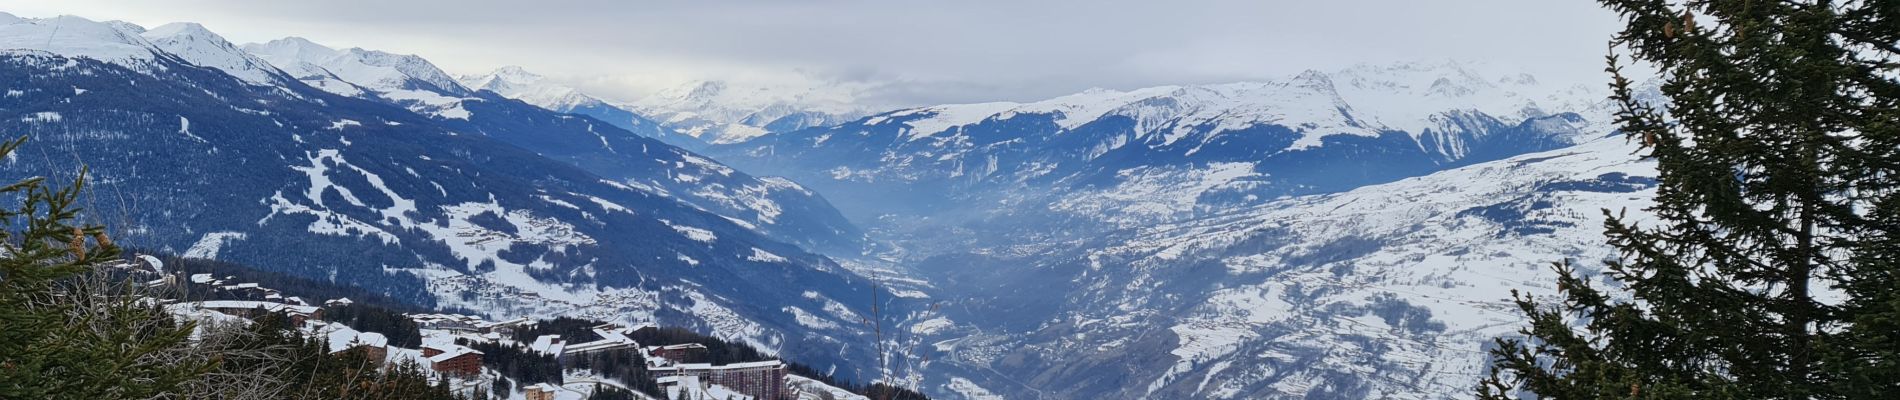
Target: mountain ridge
196,160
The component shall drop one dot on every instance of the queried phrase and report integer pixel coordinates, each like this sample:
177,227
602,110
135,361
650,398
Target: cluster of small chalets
152,271
445,358
763,380
461,365
242,290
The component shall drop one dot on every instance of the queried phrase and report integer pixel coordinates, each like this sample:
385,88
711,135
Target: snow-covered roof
373,339
733,366
452,353
683,346
609,343
754,364
342,338
548,344
157,265
247,304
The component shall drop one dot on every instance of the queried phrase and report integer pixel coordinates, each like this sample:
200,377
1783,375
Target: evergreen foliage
572,330
613,393
62,336
517,362
880,391
401,331
1772,270
304,368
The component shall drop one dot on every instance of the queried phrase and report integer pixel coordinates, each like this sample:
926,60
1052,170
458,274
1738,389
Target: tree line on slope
74,331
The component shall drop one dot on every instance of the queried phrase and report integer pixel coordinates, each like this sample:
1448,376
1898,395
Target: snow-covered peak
378,71
518,83
412,66
72,36
501,80
826,97
1406,95
181,29
733,111
291,48
199,46
406,79
1362,100
295,55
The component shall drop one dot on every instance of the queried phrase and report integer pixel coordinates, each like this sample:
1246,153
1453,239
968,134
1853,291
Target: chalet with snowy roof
548,344
454,360
539,391
373,345
205,279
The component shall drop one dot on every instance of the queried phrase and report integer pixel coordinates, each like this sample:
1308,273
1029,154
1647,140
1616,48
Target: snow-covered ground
1386,291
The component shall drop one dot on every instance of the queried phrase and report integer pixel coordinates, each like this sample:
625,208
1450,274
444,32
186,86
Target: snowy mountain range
519,84
694,114
1115,159
724,112
385,175
1339,234
1384,291
1345,234
631,157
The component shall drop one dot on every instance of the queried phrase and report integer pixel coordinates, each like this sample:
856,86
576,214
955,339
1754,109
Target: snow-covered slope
1112,159
1385,291
407,80
300,180
115,42
1364,100
1324,235
200,47
635,158
724,112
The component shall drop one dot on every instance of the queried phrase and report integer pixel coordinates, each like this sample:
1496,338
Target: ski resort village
450,344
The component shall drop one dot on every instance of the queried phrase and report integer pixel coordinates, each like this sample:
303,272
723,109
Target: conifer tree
62,335
1769,271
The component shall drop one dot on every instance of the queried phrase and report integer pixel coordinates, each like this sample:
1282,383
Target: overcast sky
919,52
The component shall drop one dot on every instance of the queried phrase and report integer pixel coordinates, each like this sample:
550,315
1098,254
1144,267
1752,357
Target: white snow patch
209,245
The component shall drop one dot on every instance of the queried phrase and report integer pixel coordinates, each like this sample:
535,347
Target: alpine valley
1339,234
